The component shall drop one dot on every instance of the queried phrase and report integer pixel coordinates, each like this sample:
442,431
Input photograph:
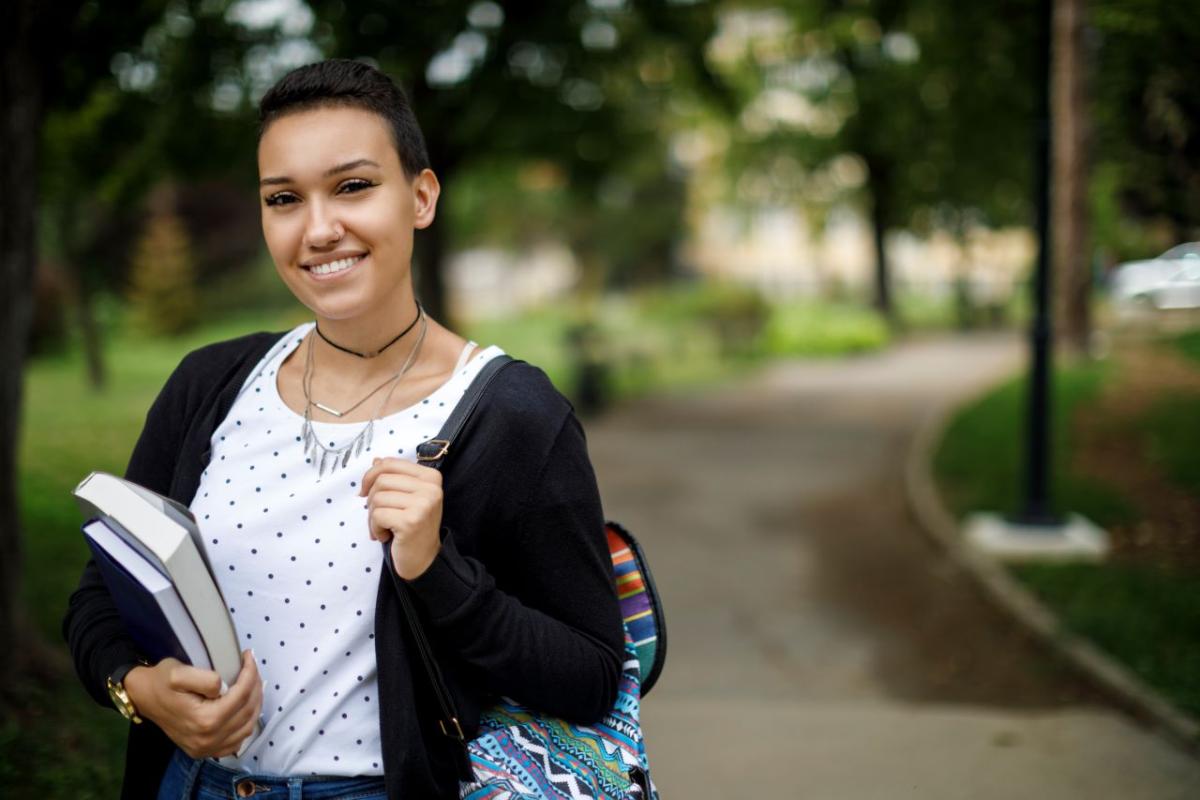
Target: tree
928,102
20,101
163,281
1146,120
136,96
1072,252
56,64
492,84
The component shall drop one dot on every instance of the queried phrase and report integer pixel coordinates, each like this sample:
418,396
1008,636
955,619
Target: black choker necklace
373,353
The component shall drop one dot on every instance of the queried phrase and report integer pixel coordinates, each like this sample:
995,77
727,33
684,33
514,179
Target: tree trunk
879,184
81,294
20,104
93,347
429,255
1072,250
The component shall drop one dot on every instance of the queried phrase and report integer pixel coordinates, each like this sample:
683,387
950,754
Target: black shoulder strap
431,454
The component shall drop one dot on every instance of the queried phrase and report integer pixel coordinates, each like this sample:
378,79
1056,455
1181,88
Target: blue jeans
189,779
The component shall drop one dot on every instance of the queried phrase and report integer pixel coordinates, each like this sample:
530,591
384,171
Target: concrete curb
1013,598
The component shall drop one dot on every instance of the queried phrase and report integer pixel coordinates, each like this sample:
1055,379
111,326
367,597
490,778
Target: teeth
335,266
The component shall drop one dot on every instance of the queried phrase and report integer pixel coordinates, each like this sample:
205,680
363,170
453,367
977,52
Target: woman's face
338,212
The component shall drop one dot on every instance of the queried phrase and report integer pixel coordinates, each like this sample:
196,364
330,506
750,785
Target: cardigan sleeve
92,626
556,643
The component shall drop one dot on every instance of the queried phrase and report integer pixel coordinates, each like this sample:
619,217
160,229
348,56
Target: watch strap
118,675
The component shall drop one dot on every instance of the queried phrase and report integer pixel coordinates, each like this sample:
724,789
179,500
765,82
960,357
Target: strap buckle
443,448
456,733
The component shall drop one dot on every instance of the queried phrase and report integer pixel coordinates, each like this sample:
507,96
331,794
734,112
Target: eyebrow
349,165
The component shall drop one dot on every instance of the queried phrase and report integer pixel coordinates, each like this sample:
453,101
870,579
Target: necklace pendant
327,409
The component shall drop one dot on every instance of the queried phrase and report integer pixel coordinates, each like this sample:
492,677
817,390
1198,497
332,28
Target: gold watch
116,691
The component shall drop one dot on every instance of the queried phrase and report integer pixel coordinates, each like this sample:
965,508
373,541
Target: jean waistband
225,782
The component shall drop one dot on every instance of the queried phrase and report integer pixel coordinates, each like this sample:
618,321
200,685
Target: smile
335,267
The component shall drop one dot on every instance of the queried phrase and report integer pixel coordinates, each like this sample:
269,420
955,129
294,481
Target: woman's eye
354,185
280,199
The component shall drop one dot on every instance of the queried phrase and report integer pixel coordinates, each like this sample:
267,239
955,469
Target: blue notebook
147,601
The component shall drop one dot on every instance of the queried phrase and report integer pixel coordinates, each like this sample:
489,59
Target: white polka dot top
294,562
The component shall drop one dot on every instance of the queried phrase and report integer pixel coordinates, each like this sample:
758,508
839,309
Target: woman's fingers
186,678
387,522
397,466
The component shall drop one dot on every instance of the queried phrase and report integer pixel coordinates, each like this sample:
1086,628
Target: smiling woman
275,440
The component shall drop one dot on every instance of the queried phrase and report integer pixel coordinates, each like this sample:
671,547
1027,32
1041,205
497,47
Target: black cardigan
519,601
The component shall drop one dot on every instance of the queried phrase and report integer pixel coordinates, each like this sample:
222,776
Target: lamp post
1037,505
1035,532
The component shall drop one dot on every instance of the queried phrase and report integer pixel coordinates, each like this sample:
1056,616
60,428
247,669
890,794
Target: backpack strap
432,453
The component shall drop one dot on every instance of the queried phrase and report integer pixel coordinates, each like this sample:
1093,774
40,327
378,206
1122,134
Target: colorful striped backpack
520,754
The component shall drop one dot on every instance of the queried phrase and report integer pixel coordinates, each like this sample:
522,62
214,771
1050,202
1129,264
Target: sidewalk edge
1014,599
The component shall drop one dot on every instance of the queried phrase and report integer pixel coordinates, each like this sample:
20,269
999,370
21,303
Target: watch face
120,699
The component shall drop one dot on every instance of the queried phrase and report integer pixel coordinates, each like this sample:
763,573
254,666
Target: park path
820,646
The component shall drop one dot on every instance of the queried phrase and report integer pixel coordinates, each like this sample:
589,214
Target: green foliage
1147,110
1146,616
558,123
979,462
162,290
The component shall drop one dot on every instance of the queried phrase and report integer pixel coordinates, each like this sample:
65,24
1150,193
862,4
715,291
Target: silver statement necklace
323,457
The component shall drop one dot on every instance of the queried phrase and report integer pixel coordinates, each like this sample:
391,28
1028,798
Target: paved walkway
820,647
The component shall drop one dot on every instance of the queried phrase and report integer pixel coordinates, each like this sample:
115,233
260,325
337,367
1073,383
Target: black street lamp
1037,504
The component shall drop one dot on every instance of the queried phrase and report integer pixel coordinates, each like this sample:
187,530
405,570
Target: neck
363,336
417,316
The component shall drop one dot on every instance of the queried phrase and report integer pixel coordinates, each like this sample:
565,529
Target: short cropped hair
343,83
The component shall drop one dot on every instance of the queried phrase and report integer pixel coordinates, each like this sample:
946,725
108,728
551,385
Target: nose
322,228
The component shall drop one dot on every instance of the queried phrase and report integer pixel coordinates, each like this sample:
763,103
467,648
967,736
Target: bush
162,292
819,329
736,314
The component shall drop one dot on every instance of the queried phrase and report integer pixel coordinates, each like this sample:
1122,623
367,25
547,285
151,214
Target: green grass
1189,344
1145,615
62,745
980,462
1172,429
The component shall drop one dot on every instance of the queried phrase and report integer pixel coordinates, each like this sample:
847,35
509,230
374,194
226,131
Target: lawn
1125,455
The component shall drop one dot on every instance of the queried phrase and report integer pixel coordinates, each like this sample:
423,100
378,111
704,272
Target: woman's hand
404,504
187,704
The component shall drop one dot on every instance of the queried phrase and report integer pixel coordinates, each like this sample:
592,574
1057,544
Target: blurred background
776,236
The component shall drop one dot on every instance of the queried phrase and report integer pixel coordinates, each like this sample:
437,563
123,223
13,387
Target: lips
331,269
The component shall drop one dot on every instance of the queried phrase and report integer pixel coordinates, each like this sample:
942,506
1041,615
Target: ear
425,189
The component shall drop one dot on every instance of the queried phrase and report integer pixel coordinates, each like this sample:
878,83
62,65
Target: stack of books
149,550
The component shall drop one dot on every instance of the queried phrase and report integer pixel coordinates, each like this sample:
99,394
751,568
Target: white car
1170,281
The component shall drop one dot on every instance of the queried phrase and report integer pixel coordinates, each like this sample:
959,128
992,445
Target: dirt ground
1112,447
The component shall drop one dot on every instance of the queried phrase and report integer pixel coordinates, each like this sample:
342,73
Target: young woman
296,453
